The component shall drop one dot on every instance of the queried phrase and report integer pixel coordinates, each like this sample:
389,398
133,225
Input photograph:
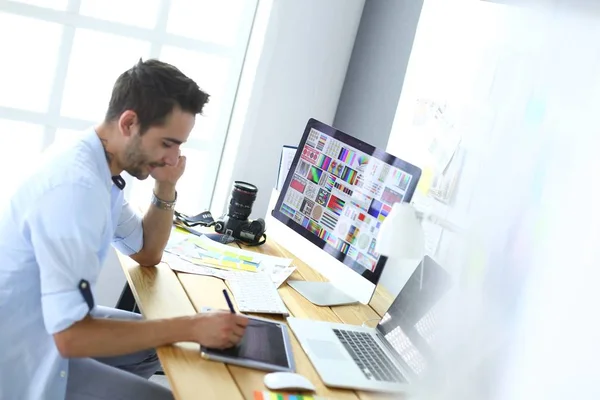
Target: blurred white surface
525,86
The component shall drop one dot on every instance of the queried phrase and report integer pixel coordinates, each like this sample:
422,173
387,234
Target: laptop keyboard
369,357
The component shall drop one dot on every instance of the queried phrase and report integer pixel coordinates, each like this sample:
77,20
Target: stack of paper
201,253
258,395
205,255
177,263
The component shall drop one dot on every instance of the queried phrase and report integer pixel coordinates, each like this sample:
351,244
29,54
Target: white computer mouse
288,381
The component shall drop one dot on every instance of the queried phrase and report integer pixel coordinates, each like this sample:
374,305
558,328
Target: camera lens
243,195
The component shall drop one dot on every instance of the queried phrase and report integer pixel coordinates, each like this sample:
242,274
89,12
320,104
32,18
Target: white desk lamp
401,237
402,240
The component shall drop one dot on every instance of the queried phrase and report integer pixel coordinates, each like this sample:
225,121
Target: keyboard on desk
255,292
368,356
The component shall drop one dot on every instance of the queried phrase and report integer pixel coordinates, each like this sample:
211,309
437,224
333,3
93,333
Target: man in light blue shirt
55,342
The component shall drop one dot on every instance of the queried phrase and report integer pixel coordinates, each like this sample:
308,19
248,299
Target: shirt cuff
61,310
131,244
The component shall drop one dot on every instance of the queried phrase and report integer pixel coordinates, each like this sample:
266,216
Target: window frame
158,37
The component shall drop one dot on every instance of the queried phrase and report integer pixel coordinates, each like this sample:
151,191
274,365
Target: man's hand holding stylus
219,330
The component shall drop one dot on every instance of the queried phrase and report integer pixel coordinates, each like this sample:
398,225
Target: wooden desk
163,293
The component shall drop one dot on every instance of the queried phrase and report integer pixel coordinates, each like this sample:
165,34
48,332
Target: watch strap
163,204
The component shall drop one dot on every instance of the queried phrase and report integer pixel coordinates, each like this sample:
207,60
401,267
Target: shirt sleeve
129,234
67,228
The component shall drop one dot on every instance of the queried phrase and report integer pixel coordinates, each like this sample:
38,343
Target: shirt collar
99,157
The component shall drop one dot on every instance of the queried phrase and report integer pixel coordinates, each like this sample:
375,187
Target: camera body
247,231
236,223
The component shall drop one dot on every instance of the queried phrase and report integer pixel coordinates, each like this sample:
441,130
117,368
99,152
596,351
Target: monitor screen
410,324
339,190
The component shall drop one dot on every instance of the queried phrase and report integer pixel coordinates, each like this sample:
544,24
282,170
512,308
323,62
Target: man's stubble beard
136,160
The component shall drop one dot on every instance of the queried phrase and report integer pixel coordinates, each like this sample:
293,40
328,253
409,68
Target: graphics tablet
266,345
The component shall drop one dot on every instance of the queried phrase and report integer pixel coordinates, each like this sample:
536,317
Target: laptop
390,357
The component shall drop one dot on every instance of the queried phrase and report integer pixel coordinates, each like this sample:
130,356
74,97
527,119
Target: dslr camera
236,223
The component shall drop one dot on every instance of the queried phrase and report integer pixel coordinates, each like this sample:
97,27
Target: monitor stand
321,293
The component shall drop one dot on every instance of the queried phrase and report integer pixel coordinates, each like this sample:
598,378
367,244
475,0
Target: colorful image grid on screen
342,195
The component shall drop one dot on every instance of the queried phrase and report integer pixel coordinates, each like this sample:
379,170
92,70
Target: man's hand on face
219,330
169,174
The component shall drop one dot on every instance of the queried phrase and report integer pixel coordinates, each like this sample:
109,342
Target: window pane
56,4
208,20
141,193
131,12
32,47
192,190
96,62
26,141
210,73
65,137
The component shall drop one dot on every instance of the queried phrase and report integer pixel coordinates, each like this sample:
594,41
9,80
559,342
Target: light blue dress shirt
55,232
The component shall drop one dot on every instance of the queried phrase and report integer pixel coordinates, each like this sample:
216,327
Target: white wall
526,90
454,61
377,68
295,69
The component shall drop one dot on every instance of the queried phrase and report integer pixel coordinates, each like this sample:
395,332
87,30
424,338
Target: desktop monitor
337,193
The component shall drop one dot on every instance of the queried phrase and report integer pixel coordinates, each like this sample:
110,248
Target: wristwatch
162,204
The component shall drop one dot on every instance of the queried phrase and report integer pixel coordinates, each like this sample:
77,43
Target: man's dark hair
152,89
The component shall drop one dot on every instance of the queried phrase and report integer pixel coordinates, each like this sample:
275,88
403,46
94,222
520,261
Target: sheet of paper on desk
258,395
215,260
277,267
210,245
278,273
180,264
195,250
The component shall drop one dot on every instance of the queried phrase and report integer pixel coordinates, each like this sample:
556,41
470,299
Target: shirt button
63,374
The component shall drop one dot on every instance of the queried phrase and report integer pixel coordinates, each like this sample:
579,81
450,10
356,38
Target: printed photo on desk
200,255
285,396
200,251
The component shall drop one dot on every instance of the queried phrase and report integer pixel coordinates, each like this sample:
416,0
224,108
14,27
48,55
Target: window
64,56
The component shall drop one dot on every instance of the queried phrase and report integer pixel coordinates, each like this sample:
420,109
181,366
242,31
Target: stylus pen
229,303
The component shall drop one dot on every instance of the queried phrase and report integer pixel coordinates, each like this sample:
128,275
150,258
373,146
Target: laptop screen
409,325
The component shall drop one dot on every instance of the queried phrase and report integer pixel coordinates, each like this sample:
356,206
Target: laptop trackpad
326,349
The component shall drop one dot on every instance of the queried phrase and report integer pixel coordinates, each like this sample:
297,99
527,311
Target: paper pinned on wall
437,121
442,149
433,236
444,185
425,182
431,230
